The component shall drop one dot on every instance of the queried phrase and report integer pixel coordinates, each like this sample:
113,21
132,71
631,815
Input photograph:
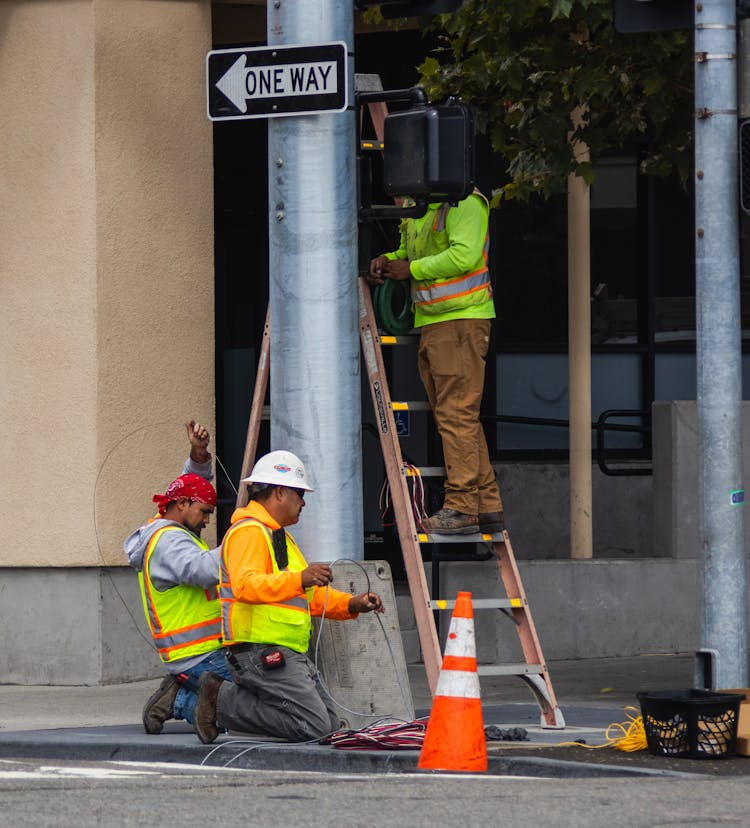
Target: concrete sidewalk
100,723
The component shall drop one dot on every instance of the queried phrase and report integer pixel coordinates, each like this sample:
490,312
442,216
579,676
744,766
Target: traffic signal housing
632,16
429,152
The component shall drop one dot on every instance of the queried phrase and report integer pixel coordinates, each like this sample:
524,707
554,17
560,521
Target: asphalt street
34,794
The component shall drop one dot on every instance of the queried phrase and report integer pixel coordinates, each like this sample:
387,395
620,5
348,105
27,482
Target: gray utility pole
314,323
723,628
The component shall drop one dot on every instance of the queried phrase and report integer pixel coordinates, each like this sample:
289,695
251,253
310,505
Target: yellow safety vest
466,291
184,620
285,624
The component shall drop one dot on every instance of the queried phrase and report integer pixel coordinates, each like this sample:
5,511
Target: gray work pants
287,702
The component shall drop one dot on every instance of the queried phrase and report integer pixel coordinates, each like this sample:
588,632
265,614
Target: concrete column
676,493
579,358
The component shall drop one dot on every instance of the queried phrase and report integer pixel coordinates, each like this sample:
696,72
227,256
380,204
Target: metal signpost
305,74
723,622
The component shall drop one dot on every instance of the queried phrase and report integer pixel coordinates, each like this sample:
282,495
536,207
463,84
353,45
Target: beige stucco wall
106,266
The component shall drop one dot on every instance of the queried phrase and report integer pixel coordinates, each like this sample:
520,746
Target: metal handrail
600,427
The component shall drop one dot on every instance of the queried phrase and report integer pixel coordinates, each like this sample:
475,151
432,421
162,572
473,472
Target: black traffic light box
429,152
633,16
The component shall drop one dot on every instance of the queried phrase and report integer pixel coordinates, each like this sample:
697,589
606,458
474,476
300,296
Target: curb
91,744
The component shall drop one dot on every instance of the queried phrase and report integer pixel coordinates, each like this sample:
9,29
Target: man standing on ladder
444,253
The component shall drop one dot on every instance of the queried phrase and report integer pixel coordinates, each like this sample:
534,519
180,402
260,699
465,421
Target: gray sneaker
160,705
451,522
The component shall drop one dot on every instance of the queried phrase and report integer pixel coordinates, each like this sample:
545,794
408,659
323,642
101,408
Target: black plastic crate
694,724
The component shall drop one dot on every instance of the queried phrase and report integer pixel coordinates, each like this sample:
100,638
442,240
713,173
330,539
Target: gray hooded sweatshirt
177,559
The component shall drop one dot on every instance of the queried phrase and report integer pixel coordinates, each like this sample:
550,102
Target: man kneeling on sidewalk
268,593
179,575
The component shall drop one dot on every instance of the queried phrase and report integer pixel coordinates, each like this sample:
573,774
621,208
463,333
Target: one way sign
281,80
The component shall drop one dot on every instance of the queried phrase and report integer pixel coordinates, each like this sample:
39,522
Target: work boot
491,522
160,705
204,718
451,522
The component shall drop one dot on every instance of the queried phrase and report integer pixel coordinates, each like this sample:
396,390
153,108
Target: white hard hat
280,468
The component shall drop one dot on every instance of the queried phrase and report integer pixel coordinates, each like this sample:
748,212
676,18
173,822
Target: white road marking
47,771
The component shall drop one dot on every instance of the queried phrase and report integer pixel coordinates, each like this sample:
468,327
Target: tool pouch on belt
272,658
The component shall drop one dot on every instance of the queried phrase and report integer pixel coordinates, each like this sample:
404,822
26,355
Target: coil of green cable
398,321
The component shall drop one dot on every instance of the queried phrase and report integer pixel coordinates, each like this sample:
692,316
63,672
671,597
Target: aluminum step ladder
534,669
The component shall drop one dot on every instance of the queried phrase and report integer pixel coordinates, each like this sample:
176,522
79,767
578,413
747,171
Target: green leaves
561,8
525,65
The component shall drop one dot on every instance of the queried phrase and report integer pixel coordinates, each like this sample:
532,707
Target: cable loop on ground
628,736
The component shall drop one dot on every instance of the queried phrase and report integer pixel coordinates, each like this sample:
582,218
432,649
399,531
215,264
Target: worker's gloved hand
317,574
366,602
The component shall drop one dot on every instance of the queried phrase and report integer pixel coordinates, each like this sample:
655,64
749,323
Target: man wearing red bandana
188,490
178,575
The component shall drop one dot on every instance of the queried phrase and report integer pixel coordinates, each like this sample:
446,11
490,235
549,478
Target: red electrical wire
388,736
416,493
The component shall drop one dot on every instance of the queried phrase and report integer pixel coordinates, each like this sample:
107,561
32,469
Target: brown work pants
451,364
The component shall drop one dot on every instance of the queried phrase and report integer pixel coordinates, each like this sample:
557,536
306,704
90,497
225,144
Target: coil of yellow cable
629,735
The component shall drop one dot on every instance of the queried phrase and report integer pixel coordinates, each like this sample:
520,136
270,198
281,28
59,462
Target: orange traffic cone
454,740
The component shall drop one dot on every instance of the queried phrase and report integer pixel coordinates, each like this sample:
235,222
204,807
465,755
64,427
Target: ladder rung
509,669
425,471
479,603
396,406
410,406
475,538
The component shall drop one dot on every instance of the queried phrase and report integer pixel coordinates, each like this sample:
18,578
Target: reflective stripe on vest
430,293
439,224
284,623
184,620
453,288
